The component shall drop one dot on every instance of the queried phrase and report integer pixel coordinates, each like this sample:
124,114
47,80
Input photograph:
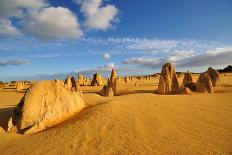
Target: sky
42,39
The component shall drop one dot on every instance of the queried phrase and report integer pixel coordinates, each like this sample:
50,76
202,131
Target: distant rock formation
2,84
226,70
97,80
82,80
214,76
187,78
19,86
44,105
111,85
188,81
168,82
204,84
71,83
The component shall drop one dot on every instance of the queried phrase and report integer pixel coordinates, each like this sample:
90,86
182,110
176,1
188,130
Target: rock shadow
5,114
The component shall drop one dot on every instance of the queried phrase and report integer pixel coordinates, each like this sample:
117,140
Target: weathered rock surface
188,81
187,78
107,91
97,80
168,82
214,76
44,105
111,85
204,84
19,86
81,80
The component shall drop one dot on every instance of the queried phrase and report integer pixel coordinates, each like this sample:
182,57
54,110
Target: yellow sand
137,121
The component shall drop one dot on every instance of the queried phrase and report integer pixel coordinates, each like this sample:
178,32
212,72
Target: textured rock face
185,90
187,78
19,86
97,80
111,85
168,82
107,91
112,82
214,76
188,81
45,104
204,83
81,80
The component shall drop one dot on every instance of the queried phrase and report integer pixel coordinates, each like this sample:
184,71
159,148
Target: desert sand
135,121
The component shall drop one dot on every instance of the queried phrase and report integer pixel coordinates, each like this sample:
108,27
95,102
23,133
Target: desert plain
136,121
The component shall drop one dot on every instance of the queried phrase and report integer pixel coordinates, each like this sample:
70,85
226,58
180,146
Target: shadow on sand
5,114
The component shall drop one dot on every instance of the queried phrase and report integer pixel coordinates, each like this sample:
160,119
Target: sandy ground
137,121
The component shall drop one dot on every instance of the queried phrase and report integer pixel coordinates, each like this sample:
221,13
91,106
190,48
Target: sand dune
136,121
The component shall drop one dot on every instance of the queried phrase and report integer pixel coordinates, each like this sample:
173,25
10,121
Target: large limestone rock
97,80
111,85
168,82
19,86
214,76
44,105
204,83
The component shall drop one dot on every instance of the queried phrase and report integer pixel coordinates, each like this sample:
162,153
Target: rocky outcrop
81,80
168,82
107,91
111,85
46,104
188,81
187,78
19,86
97,80
204,84
214,76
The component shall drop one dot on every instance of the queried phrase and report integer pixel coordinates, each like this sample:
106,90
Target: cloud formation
218,56
14,62
106,56
51,23
7,29
97,16
38,19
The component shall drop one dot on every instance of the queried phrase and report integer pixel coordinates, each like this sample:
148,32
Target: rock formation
187,78
97,80
204,83
168,82
188,81
214,76
111,85
44,105
81,80
19,86
107,91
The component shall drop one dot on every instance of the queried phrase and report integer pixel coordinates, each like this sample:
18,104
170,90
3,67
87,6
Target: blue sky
40,38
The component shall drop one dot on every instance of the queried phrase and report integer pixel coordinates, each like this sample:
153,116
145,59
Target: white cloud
53,23
14,62
7,29
106,56
179,55
38,19
14,8
97,16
